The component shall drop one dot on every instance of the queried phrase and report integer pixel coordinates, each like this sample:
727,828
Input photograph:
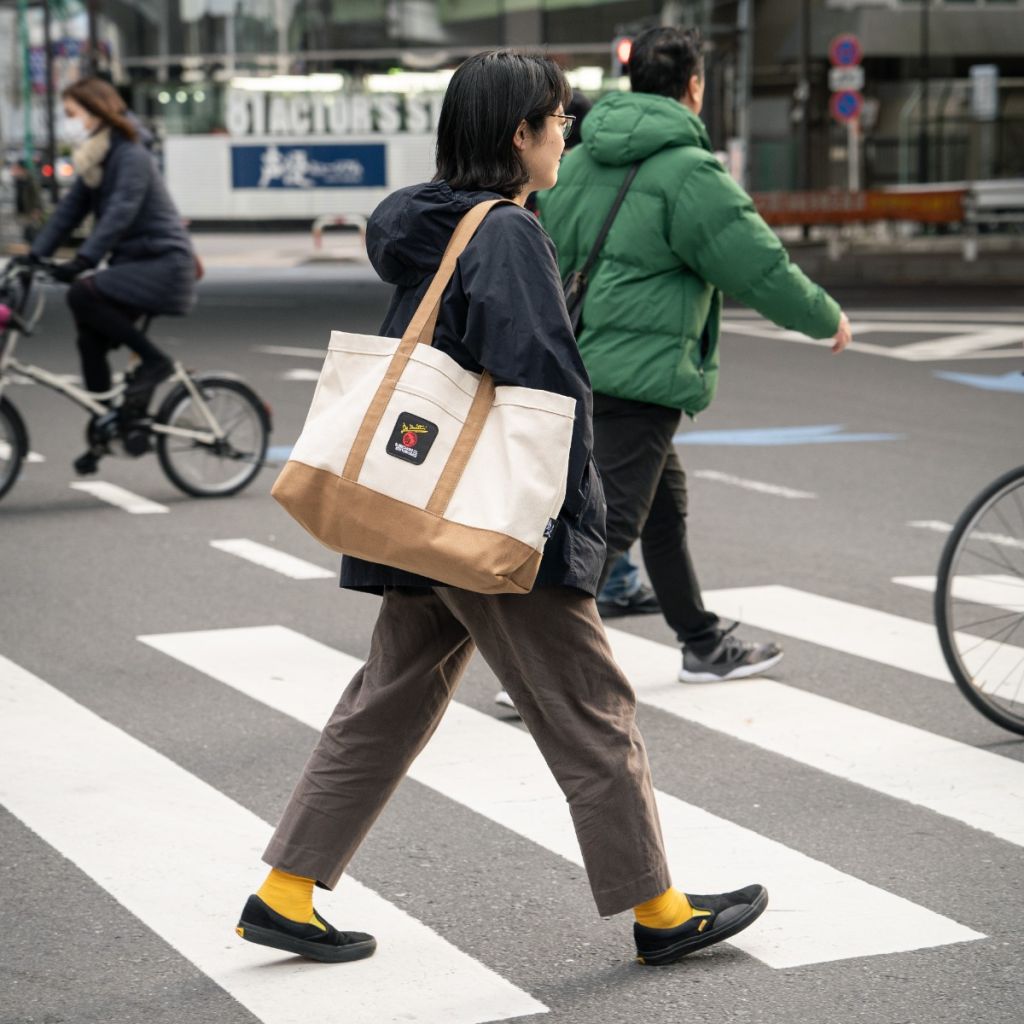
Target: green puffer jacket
685,234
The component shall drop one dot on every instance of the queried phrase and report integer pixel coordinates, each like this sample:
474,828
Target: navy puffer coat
151,262
503,311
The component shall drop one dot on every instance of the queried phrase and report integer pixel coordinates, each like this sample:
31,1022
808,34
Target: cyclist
151,264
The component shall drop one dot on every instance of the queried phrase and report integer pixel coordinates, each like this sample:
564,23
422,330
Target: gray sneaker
731,659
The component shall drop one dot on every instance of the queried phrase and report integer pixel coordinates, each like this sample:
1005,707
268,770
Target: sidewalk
253,249
934,261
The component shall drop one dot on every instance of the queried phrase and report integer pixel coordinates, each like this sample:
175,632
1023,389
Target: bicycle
210,432
979,601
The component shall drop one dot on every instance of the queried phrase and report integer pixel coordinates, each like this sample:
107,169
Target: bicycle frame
91,401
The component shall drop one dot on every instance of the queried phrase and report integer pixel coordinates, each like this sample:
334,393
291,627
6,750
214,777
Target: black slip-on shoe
714,918
266,927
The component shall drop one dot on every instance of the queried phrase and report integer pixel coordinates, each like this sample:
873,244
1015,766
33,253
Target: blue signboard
306,167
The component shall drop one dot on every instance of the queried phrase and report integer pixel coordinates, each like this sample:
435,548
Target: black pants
104,325
645,487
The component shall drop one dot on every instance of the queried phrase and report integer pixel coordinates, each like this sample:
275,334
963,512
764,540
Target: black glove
66,272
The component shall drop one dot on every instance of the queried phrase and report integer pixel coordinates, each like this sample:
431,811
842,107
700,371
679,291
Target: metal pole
803,95
922,139
94,36
853,153
51,99
744,86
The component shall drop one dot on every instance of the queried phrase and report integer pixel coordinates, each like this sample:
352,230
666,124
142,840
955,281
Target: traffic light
622,47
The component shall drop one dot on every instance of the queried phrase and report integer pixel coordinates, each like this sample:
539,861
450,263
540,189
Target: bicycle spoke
985,622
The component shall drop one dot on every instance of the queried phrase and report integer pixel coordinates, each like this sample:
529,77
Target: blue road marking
279,453
1012,381
769,436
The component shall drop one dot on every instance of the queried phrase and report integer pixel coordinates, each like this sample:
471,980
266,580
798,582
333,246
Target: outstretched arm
716,231
70,212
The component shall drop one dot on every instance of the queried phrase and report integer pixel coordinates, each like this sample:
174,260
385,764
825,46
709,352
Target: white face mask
75,131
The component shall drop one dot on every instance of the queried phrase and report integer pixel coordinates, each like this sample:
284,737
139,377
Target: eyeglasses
568,120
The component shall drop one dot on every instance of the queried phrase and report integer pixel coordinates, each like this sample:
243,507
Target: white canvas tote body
411,461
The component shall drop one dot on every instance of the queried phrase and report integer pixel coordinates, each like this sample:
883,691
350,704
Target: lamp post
922,140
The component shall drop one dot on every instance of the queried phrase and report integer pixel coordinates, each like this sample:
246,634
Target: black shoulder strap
609,220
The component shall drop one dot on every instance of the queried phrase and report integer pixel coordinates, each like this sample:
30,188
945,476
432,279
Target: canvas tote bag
409,460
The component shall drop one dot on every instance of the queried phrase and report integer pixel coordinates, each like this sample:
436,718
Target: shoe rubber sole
671,954
742,672
304,947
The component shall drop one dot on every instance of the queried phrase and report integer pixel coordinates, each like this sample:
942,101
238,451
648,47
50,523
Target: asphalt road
890,812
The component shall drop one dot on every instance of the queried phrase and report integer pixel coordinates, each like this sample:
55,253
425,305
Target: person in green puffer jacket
686,233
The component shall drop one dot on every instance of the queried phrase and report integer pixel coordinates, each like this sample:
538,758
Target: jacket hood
625,127
409,231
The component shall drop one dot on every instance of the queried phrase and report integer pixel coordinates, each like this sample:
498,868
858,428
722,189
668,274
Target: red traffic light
47,170
623,48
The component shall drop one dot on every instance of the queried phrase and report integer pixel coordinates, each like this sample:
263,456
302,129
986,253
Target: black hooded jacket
504,312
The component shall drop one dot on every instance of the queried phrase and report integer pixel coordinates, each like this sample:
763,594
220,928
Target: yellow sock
290,896
669,910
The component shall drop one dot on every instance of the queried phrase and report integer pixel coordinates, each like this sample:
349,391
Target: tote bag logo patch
412,438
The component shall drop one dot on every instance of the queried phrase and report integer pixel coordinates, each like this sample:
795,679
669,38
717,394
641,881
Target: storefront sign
308,167
331,114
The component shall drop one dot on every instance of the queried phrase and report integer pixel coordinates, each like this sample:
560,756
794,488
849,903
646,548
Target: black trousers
645,486
104,325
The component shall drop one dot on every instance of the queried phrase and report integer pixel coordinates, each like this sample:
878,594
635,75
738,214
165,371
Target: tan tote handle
421,332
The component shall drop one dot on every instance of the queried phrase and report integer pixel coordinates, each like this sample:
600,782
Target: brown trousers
549,650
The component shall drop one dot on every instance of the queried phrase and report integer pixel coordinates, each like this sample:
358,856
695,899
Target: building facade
290,108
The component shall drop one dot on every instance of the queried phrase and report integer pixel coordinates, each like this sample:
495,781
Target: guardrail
356,220
970,204
992,203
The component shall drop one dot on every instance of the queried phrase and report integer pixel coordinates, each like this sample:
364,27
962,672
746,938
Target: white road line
992,538
908,316
767,330
5,453
497,771
980,789
865,632
752,485
984,344
114,495
999,591
177,854
271,558
300,374
287,350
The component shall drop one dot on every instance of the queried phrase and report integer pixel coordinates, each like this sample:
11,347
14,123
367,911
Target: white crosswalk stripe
995,589
497,771
173,850
853,629
120,498
270,558
972,786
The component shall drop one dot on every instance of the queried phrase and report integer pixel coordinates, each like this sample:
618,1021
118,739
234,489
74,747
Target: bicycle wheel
979,601
205,469
13,445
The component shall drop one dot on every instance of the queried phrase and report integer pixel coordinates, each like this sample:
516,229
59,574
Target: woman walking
500,135
152,268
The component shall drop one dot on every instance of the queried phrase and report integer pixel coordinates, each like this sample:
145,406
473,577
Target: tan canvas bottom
354,520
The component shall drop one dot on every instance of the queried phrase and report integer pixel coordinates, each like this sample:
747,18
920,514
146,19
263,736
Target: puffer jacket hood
625,127
409,230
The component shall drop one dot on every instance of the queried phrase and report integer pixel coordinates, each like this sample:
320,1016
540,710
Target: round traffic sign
845,51
846,105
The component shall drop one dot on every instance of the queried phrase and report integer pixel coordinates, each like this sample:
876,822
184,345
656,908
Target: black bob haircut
663,60
489,95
